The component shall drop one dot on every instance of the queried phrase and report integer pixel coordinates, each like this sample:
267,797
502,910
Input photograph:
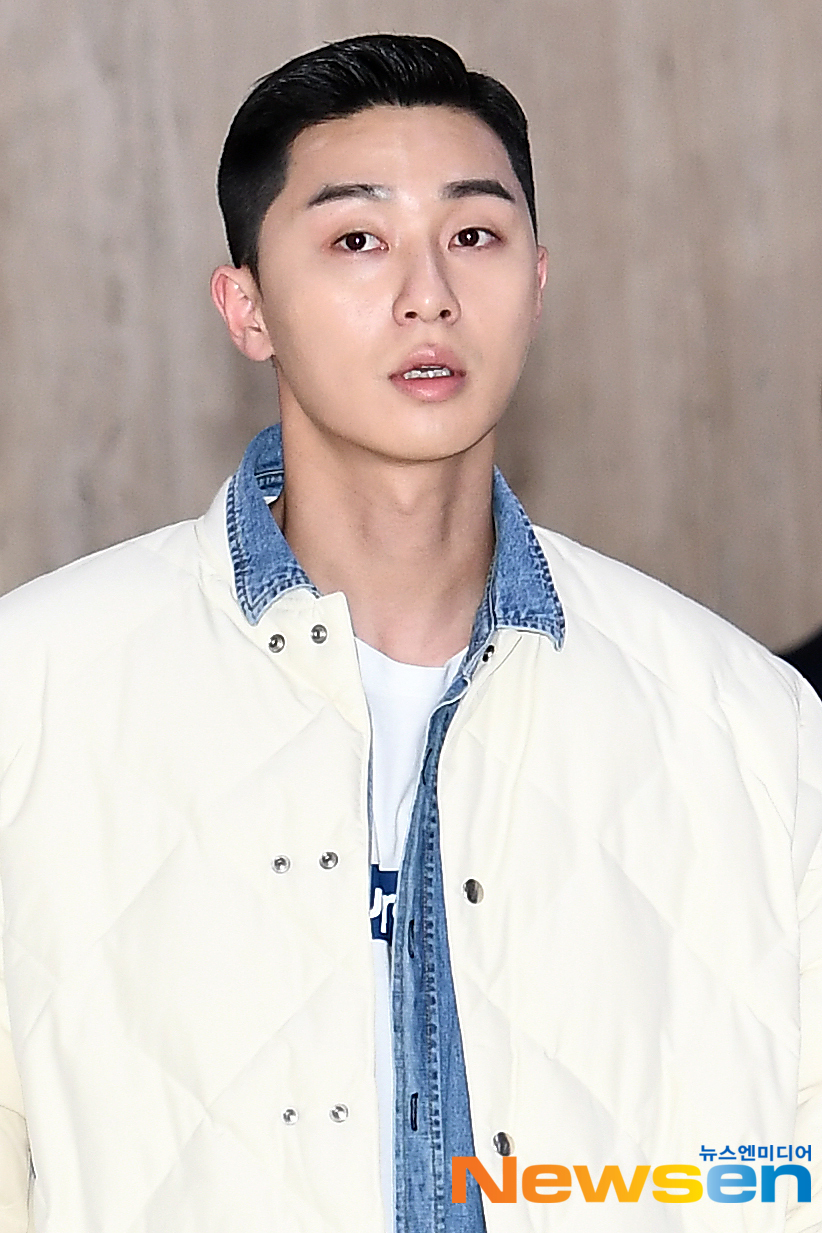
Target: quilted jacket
642,810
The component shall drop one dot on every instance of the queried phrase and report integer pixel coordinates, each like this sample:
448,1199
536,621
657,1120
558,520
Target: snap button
281,864
339,1113
319,633
473,891
503,1144
328,860
290,1116
488,652
276,643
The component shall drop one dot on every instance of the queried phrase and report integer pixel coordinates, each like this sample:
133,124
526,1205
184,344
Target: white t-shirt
400,698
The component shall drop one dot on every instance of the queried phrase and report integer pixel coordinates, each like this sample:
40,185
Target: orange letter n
462,1165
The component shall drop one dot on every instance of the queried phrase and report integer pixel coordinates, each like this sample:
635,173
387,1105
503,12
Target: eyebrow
453,191
477,188
341,192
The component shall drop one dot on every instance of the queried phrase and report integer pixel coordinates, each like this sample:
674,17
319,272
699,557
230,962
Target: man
589,811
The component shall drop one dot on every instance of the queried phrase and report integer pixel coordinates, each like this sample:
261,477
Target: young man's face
400,245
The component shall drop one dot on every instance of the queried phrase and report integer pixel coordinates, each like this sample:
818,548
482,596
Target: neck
409,544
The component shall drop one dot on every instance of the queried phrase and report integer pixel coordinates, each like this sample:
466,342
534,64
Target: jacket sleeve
14,1146
807,1217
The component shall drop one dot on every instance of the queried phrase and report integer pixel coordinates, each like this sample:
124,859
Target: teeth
428,371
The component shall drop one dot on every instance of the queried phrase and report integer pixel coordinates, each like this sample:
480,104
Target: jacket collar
519,594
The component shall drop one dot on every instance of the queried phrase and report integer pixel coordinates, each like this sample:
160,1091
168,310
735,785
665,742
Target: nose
426,293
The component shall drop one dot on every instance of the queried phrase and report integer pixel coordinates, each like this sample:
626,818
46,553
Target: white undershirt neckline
401,698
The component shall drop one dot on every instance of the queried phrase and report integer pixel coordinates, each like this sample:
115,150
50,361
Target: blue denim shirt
432,1117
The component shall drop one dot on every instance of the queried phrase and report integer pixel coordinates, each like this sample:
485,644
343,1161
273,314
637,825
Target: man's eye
358,242
474,237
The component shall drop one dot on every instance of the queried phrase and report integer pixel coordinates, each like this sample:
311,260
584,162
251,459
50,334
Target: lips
428,359
430,374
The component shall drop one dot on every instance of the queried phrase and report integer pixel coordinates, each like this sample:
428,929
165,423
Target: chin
444,434
431,433
416,449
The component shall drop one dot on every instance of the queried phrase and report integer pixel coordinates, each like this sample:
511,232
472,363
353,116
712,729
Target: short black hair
339,80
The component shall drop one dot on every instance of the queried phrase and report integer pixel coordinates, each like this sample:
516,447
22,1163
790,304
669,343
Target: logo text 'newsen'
675,1183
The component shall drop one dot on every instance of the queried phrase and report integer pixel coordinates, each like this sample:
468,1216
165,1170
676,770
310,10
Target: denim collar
519,594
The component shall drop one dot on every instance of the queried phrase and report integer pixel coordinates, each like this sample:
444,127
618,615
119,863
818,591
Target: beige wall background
670,411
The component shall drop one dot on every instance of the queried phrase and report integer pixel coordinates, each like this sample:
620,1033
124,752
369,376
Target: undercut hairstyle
339,80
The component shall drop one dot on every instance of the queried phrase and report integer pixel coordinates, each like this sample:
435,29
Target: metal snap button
290,1116
339,1113
319,633
473,891
503,1144
488,652
328,860
276,643
281,864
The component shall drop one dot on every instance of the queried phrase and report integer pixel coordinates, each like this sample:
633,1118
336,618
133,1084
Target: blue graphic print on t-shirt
383,898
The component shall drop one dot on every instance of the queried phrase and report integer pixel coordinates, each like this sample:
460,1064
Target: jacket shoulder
60,627
117,583
629,633
639,611
653,630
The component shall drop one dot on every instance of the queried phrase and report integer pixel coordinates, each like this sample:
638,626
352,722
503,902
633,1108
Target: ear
542,275
238,301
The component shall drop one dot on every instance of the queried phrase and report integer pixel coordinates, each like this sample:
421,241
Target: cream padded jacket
643,809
